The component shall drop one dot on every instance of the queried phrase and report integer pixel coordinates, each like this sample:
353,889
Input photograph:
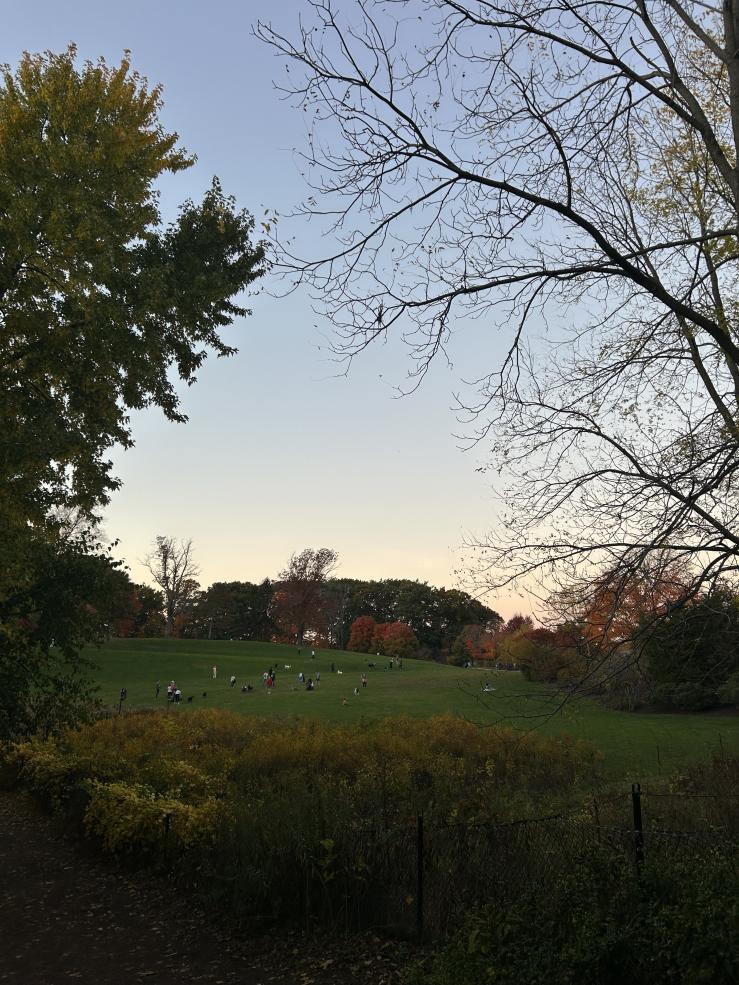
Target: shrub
269,805
729,690
687,696
676,924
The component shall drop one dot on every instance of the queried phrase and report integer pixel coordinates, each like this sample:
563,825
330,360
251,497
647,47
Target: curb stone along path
67,915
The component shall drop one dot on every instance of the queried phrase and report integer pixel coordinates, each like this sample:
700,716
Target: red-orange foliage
475,643
616,608
391,639
378,637
399,640
362,634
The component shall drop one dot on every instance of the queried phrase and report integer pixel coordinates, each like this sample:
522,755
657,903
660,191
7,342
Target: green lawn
634,745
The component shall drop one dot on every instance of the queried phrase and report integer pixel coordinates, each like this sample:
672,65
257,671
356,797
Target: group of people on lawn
269,678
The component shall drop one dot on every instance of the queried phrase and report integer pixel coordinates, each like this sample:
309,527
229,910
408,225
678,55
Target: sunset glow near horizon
283,449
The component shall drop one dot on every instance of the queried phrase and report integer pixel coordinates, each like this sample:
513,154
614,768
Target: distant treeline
248,611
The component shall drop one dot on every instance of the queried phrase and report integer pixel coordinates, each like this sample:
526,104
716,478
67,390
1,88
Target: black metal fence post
419,878
638,828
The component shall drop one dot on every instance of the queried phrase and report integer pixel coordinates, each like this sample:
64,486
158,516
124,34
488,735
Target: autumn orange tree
300,602
390,639
475,643
361,634
397,640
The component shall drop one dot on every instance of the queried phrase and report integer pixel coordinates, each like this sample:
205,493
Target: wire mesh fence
418,876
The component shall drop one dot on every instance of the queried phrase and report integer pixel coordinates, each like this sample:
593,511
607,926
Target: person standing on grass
158,688
215,671
364,680
233,679
318,677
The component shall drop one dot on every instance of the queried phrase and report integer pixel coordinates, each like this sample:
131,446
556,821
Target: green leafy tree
71,593
436,615
148,618
234,610
99,300
694,651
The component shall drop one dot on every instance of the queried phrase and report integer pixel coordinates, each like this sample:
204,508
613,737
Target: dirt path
67,915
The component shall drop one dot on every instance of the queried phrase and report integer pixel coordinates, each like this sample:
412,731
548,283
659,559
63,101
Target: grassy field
634,745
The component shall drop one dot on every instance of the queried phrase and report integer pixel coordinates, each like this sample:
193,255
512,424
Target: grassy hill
634,745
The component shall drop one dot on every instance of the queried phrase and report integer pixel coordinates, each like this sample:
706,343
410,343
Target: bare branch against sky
567,172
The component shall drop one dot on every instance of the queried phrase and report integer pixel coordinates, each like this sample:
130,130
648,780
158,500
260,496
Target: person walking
364,680
215,671
232,679
158,688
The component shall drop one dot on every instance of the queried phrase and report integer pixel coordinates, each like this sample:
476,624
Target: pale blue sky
279,453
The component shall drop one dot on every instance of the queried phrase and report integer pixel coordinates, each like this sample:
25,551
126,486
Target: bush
687,696
729,690
676,924
268,805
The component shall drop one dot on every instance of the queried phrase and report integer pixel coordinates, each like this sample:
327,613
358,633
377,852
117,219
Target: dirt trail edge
67,915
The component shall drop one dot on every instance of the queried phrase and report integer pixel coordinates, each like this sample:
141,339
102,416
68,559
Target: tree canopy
99,302
98,299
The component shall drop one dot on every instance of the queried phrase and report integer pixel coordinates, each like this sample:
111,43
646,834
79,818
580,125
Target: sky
282,449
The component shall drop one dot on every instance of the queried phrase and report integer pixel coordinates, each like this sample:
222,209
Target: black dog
205,694
189,700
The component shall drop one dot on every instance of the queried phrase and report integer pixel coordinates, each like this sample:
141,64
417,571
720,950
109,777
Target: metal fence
417,876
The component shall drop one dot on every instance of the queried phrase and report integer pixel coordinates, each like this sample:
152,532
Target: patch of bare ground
66,914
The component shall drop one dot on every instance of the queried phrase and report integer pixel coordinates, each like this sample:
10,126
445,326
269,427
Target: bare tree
173,568
568,172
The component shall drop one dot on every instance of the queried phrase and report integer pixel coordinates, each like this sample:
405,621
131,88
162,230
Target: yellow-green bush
131,816
260,800
442,763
